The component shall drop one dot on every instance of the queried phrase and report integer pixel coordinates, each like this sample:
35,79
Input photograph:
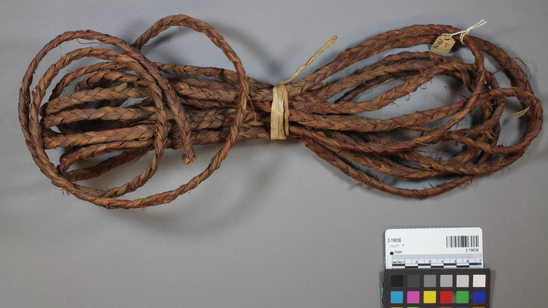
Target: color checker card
440,288
435,268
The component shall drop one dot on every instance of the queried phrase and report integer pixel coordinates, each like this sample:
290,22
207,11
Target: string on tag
279,113
467,31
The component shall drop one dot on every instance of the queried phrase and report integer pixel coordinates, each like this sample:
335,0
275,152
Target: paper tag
434,247
443,44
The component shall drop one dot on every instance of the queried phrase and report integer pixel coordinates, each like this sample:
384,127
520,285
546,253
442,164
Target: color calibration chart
436,288
435,268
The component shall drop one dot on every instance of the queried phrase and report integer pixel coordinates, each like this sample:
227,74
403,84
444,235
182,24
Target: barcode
459,241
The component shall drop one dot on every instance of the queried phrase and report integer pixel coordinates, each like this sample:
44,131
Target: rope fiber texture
447,145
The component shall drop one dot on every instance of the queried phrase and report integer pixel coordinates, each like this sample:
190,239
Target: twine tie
463,33
279,124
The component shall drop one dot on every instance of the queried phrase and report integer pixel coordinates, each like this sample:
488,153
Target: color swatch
436,288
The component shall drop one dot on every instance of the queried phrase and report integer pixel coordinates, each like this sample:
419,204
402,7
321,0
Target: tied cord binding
279,123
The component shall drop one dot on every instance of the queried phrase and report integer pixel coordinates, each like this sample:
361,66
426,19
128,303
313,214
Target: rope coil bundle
205,105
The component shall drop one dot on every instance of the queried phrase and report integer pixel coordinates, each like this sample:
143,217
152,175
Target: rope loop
109,113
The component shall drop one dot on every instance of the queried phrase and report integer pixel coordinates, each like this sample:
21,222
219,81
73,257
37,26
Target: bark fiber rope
446,146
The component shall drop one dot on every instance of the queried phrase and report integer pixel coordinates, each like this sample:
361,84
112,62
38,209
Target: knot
125,105
463,33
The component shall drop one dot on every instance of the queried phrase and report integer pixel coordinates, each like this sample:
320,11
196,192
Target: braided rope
205,105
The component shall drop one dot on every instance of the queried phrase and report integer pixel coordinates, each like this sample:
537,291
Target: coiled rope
205,105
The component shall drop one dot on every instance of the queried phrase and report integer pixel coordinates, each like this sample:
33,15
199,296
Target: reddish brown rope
204,105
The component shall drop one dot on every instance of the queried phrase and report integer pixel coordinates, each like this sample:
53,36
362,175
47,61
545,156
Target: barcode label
434,248
462,241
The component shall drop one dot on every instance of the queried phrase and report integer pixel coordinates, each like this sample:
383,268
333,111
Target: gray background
275,226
